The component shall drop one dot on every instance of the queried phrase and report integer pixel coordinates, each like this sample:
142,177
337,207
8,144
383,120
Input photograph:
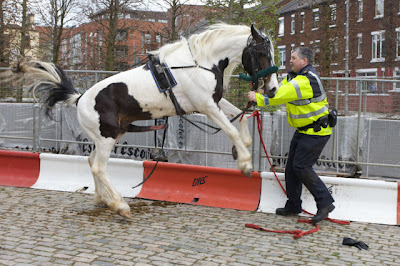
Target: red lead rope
296,233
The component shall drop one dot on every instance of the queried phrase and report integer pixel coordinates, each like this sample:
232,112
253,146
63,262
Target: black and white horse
201,66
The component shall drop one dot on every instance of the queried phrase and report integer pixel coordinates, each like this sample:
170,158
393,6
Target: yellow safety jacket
305,100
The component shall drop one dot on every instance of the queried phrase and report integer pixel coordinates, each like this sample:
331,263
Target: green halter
263,73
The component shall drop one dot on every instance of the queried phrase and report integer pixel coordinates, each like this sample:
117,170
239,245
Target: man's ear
256,34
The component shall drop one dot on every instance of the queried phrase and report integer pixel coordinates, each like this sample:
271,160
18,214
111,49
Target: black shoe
322,214
286,212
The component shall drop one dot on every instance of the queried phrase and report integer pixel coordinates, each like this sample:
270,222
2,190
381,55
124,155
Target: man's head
301,56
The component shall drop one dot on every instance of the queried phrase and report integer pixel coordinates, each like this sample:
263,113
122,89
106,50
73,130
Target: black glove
351,242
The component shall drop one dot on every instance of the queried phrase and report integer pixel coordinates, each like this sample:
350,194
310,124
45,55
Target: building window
281,27
396,74
158,39
121,35
302,22
360,10
379,4
147,38
334,47
121,51
292,24
282,56
315,46
378,46
333,14
398,44
359,45
315,18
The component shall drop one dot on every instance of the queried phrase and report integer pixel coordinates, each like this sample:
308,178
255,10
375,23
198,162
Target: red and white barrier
355,199
371,201
201,185
72,173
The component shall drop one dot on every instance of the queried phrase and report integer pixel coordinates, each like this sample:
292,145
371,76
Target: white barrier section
362,200
72,173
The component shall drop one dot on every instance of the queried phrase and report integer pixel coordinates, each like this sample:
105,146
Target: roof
298,4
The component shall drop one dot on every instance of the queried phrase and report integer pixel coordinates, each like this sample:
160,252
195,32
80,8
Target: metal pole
359,123
334,135
34,129
346,96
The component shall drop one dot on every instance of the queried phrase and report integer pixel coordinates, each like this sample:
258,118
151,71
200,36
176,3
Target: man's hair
305,52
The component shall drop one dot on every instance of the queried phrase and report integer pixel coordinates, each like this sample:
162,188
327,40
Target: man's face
297,63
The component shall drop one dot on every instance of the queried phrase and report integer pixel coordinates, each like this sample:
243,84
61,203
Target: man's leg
308,150
293,184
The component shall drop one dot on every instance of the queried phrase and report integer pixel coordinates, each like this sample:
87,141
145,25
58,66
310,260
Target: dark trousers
303,154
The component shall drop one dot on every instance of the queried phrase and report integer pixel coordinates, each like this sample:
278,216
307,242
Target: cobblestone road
39,227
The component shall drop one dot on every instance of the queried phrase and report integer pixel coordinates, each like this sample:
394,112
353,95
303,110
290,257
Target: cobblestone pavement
39,227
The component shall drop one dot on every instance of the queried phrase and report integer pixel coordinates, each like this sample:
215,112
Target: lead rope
296,233
155,166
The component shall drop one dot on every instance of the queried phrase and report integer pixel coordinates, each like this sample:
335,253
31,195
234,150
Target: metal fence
365,142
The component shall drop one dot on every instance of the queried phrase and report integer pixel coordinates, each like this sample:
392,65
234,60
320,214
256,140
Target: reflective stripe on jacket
305,100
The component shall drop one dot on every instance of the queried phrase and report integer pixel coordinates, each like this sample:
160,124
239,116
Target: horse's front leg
244,156
231,111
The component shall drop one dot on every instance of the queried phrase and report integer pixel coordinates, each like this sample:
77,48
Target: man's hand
252,96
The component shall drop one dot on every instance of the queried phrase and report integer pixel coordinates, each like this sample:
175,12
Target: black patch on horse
219,77
117,110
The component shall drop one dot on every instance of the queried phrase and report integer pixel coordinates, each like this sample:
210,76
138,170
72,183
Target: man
307,111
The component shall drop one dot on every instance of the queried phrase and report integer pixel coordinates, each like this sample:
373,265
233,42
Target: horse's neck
211,54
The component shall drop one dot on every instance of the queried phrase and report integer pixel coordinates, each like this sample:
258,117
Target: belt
316,125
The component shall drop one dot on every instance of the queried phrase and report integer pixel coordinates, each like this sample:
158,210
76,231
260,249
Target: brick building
84,46
354,38
373,35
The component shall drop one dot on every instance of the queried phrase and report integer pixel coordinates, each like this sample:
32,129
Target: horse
201,67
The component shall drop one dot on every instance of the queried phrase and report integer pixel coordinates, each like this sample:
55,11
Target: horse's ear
256,34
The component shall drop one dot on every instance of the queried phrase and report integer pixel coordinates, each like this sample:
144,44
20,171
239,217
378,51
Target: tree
261,12
55,15
3,40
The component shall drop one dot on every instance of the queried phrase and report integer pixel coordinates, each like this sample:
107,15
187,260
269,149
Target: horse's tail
48,83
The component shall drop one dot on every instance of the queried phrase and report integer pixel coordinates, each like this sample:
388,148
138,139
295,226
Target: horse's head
258,61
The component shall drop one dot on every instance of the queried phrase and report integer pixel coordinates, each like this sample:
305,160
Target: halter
255,50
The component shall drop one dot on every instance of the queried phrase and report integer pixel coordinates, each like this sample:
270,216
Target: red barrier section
19,169
398,203
201,185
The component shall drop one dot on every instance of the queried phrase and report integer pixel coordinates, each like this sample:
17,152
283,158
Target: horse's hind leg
105,192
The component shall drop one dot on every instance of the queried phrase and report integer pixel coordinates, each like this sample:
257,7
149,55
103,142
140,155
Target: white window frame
281,27
397,44
359,45
366,72
282,56
302,22
378,40
315,12
333,15
293,24
396,75
379,7
360,10
147,38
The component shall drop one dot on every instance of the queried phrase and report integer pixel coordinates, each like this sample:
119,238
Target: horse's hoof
247,173
125,213
234,152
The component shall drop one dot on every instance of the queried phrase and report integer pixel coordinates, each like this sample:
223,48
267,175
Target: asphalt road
40,227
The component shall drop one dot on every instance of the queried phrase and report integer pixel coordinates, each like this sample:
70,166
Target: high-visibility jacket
305,100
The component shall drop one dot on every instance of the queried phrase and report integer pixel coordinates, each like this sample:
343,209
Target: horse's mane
201,44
